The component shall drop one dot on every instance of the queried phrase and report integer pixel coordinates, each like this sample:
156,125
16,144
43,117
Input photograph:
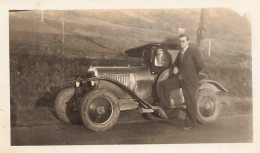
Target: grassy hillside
40,63
92,34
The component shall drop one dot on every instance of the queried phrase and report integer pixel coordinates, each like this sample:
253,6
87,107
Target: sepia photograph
130,76
118,76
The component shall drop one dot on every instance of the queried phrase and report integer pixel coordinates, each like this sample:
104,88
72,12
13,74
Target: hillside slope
132,25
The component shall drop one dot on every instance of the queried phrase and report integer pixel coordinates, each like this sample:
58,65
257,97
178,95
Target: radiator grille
122,78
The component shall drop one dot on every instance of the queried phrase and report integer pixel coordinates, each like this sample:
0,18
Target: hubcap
207,106
100,110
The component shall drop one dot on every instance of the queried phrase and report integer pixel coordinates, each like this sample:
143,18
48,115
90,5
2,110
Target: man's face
183,42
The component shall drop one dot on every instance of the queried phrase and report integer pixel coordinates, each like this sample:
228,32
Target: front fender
117,86
209,84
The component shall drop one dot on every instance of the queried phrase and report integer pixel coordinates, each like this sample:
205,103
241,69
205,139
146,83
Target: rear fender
213,85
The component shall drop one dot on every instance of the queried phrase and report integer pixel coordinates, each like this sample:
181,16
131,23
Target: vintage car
98,98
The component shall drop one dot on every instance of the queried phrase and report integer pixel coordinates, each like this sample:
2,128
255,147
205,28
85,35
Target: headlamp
78,82
92,83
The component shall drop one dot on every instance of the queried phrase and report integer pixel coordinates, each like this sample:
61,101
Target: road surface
233,129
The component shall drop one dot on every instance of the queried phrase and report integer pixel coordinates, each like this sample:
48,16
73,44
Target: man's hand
175,70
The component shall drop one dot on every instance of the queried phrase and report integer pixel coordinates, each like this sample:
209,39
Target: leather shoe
187,128
161,113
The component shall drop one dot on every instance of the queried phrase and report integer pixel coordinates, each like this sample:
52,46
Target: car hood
102,70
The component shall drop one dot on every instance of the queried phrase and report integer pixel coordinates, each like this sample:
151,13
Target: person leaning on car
186,69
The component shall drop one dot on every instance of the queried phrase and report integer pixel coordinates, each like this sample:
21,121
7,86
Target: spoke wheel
99,110
208,106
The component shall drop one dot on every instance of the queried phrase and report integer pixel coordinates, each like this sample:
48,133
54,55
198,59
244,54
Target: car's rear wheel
99,110
208,106
63,106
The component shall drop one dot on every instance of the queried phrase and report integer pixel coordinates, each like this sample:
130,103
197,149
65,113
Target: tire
208,106
63,106
99,110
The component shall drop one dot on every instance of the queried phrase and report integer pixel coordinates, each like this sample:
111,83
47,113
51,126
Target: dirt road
233,129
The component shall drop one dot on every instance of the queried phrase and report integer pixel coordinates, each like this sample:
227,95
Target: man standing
187,67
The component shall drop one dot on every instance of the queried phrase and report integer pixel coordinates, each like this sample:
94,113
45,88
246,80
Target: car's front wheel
99,110
208,106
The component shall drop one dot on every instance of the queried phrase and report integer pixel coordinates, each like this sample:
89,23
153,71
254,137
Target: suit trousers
189,93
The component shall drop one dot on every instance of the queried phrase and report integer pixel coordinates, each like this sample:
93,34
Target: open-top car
98,98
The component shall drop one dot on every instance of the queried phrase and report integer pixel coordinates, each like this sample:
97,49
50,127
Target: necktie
182,52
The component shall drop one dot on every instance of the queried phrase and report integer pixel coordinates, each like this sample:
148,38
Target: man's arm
175,66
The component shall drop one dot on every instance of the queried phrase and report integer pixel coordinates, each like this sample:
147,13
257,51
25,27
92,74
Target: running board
179,106
151,110
146,110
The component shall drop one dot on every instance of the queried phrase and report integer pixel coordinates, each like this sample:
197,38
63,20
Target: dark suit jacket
190,66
